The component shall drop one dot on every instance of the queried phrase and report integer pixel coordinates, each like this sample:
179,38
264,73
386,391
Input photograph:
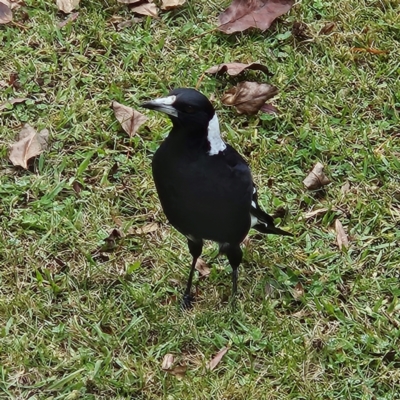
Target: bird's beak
163,104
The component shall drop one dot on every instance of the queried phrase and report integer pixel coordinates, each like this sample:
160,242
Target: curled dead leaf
327,28
67,6
217,359
29,144
248,97
149,9
17,100
111,242
235,68
168,362
345,188
298,291
316,178
129,118
171,4
202,267
341,236
168,366
70,18
260,14
316,212
5,12
151,227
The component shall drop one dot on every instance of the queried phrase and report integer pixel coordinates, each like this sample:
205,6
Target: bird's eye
189,109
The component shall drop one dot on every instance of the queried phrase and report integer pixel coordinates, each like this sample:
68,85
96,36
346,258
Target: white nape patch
254,220
214,137
167,101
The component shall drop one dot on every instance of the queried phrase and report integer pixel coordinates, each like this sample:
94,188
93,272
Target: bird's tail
271,229
264,223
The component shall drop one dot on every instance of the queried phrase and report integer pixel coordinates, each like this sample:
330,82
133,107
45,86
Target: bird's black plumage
204,185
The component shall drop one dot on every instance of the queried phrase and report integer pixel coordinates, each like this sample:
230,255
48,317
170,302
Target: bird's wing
261,221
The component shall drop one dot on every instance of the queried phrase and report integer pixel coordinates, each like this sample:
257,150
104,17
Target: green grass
80,323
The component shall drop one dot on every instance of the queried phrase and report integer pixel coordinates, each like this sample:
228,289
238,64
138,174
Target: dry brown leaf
171,4
149,9
12,101
129,118
298,291
269,108
111,242
341,236
202,267
235,68
130,1
316,178
327,28
316,212
217,359
248,97
67,6
70,18
168,366
244,14
345,188
152,227
30,144
5,12
168,362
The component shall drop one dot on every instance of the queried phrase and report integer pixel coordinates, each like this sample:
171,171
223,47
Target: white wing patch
254,220
214,137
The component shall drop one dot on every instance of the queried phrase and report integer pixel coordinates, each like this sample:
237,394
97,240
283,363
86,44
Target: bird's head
193,114
184,106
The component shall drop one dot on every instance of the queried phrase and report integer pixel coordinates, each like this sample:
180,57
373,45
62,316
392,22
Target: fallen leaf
234,68
368,50
217,359
298,291
149,9
168,366
300,30
171,4
269,108
129,1
12,101
202,267
30,144
248,97
152,227
316,212
316,178
345,188
110,242
341,236
5,13
168,362
244,14
327,28
129,118
70,18
77,187
67,6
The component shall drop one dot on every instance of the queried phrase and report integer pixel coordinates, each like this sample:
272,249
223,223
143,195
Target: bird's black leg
234,254
195,248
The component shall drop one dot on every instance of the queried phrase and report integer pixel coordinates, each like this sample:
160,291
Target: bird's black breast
208,197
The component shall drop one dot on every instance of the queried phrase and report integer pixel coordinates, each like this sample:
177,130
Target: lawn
83,316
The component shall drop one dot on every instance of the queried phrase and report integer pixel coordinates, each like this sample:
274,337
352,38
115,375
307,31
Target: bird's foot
187,301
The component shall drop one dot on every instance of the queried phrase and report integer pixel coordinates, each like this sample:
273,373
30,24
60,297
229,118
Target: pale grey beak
163,104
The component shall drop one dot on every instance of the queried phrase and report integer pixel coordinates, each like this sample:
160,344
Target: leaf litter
244,14
249,97
129,118
168,365
236,68
342,239
30,144
217,359
66,6
316,179
6,15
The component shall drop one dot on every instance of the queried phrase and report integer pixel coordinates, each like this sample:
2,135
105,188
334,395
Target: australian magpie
204,185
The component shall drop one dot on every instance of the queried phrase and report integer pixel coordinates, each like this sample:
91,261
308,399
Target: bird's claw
187,301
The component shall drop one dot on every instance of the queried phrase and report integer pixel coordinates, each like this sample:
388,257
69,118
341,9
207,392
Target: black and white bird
205,187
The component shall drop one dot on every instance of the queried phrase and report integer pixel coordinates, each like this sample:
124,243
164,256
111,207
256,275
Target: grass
77,322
